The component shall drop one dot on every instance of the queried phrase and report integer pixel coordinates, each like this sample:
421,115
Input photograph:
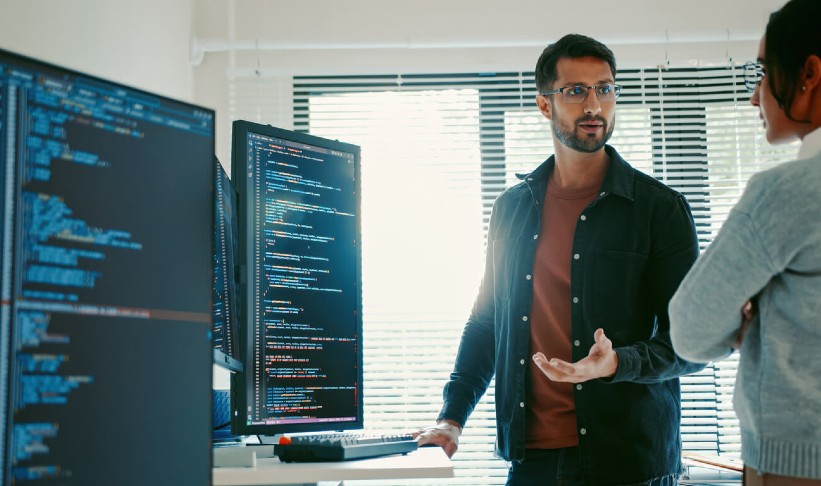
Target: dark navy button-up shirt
635,243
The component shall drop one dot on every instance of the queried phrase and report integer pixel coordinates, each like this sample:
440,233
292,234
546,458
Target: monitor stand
221,432
269,439
241,454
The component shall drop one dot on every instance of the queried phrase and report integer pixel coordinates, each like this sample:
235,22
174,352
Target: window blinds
437,149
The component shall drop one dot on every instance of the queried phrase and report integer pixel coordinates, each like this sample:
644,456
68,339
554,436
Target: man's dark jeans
559,467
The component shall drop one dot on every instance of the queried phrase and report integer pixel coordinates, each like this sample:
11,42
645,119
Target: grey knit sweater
769,249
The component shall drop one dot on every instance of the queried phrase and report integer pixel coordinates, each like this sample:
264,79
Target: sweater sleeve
705,312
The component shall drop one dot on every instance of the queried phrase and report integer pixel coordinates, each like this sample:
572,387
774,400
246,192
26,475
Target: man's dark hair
572,46
792,36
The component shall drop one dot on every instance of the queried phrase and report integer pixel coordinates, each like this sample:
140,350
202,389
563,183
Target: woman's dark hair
573,46
793,34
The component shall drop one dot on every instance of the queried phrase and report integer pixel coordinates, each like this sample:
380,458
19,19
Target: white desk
426,462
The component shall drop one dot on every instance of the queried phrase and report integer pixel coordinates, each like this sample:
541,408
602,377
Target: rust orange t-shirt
551,413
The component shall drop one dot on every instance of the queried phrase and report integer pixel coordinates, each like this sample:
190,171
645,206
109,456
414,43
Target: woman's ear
811,75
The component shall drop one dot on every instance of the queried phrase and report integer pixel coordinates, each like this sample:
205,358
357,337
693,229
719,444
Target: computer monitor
300,290
224,329
107,229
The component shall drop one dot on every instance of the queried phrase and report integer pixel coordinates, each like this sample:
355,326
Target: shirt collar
811,144
618,179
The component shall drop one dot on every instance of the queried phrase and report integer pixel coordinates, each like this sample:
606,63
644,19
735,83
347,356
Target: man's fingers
605,344
438,437
420,435
602,344
564,366
554,367
543,364
601,338
428,438
558,370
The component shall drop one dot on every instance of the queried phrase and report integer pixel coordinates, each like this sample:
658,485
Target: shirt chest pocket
504,263
618,284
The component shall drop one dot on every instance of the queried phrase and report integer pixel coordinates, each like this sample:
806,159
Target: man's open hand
601,362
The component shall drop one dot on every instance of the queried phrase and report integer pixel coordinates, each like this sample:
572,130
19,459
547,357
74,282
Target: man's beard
587,144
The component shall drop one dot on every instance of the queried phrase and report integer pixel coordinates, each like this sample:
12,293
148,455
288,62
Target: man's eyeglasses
753,74
576,94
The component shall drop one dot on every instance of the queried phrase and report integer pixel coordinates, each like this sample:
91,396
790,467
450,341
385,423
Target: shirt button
535,236
524,318
583,431
521,361
522,405
577,343
578,387
583,218
576,256
575,300
528,276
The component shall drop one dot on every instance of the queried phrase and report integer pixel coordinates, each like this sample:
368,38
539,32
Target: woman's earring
803,88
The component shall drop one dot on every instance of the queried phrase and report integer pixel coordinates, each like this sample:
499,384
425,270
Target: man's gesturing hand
601,362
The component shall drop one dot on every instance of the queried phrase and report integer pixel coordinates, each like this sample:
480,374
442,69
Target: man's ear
545,106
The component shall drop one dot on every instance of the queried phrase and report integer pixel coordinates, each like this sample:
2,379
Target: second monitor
224,326
300,286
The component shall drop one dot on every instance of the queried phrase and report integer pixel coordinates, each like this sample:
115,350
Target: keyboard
341,447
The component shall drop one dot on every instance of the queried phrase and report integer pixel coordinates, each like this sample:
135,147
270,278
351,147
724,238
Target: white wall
148,43
142,43
280,38
312,35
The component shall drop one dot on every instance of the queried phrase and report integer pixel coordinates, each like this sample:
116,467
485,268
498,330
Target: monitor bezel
239,175
115,83
222,359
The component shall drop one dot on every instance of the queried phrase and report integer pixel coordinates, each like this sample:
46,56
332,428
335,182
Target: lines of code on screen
304,332
107,232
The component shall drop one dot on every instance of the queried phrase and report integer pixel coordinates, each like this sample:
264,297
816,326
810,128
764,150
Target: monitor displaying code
300,220
107,229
